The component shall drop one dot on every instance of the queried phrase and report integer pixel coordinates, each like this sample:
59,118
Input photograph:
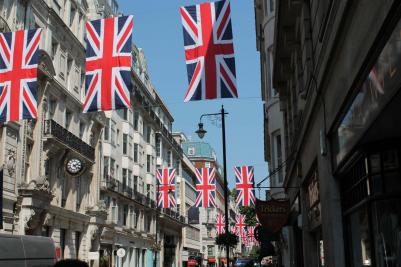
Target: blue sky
158,31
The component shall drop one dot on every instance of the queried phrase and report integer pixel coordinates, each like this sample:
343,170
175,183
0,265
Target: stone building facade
336,70
274,130
110,204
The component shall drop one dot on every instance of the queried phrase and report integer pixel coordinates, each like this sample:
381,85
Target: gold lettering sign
273,214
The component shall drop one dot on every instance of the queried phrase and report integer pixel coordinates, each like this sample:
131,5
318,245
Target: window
278,156
77,193
113,132
191,151
132,217
67,119
125,215
107,130
271,6
125,114
77,243
62,242
207,164
125,180
136,218
158,146
148,163
54,48
118,137
136,121
136,148
56,6
210,250
148,134
135,183
130,179
81,130
72,15
169,158
52,107
125,144
114,212
106,161
270,64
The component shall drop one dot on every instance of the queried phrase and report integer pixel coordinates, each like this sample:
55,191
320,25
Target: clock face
74,166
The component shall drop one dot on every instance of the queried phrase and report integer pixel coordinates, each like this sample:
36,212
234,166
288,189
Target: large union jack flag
220,224
166,188
244,185
108,64
19,55
206,187
209,51
240,225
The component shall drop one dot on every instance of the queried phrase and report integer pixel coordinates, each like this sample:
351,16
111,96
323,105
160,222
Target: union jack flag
240,225
206,187
220,224
209,51
108,64
244,186
251,233
19,55
166,188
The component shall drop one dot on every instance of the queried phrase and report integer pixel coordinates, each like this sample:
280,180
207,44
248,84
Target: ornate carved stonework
33,204
10,161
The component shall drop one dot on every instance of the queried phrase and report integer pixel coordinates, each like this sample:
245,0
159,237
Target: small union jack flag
244,185
108,64
206,187
240,225
251,233
209,51
220,224
19,55
166,188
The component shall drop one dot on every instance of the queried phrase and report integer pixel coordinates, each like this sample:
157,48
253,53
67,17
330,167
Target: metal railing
67,138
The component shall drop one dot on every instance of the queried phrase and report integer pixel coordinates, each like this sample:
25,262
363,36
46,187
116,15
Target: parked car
26,251
244,262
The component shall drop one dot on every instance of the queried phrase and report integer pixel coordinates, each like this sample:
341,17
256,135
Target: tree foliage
227,239
250,215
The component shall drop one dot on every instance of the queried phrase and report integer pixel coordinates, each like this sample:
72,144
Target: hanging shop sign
273,214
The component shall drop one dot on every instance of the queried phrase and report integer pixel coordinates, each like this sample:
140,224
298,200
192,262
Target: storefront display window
359,238
371,197
379,86
387,232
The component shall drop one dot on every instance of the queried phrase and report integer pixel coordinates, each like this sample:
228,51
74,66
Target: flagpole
223,131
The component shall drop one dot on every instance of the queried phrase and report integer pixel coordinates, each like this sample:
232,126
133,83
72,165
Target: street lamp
201,133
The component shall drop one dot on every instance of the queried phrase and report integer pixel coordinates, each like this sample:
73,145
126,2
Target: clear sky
158,31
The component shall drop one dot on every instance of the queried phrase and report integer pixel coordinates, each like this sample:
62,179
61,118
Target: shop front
366,158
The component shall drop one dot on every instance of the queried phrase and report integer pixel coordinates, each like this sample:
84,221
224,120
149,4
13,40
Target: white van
26,251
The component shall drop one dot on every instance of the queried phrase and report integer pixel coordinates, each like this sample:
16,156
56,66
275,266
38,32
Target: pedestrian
71,263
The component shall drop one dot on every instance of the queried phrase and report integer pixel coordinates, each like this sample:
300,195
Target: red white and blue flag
240,226
108,64
209,51
251,233
206,187
244,185
166,188
19,56
220,224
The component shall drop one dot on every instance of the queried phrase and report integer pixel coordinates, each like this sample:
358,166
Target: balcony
68,139
112,184
172,214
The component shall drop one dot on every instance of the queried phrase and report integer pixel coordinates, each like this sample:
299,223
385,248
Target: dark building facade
337,69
